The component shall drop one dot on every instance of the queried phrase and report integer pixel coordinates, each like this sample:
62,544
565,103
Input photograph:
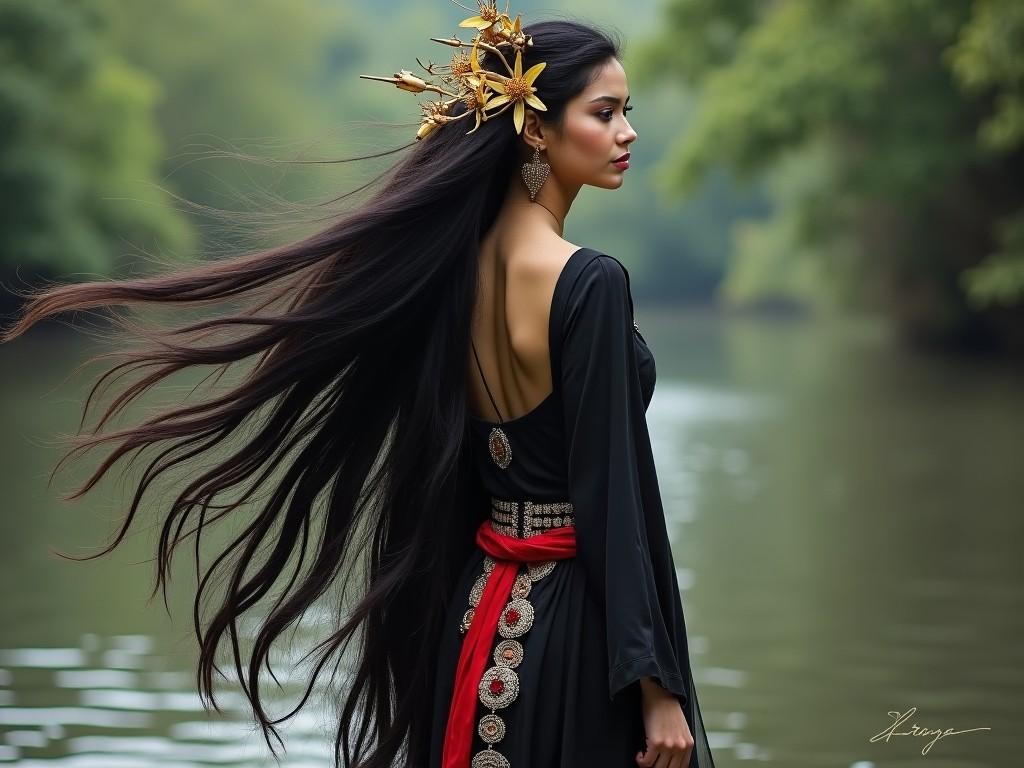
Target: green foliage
1000,278
713,31
914,110
253,77
988,58
988,61
809,68
773,260
878,129
180,85
78,147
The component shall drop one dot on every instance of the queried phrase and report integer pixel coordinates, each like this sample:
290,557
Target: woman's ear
533,131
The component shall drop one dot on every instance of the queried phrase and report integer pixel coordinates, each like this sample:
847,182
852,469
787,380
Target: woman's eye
607,114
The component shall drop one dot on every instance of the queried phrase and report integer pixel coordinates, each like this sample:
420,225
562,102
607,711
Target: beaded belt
524,519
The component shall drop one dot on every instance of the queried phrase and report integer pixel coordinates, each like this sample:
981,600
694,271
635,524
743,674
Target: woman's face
594,133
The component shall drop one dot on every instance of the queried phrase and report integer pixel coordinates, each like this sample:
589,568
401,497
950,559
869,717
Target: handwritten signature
915,730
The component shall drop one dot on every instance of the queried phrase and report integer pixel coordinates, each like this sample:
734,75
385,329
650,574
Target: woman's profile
440,434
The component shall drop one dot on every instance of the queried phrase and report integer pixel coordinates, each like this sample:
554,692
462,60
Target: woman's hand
669,742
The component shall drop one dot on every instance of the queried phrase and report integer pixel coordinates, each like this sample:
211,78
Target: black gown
612,614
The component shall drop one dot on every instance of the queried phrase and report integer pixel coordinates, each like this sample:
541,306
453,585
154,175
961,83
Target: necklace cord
560,225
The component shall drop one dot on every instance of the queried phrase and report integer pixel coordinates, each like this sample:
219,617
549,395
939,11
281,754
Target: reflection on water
845,521
111,702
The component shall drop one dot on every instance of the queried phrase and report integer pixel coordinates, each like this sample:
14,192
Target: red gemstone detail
512,616
497,686
498,446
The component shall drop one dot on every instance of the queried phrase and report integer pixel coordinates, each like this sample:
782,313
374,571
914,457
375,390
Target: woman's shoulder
543,260
589,271
560,262
538,273
556,274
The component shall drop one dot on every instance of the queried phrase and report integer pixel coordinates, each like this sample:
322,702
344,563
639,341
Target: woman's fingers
651,758
668,755
646,759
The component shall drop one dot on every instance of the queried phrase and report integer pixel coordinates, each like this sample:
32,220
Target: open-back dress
601,620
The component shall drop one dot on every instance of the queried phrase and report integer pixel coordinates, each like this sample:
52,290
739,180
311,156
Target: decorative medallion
521,587
491,729
500,449
489,758
477,591
499,687
508,653
467,619
516,619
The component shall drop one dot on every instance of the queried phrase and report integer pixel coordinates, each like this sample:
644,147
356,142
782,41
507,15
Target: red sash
508,552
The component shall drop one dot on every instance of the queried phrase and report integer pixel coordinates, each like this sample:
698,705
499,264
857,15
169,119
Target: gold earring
535,173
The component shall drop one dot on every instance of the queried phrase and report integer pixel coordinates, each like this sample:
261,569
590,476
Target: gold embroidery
538,571
478,590
535,516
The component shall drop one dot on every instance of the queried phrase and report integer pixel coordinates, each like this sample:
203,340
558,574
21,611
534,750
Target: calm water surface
845,519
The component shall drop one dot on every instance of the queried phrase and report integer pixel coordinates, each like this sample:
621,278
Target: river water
846,522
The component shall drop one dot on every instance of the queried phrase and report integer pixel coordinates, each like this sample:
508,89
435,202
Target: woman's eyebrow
612,99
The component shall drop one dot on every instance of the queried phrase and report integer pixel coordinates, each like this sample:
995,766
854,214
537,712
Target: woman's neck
548,210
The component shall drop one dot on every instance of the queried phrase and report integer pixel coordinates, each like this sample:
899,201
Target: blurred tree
988,60
257,79
911,112
78,147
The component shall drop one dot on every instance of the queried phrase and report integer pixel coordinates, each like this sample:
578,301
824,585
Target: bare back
510,326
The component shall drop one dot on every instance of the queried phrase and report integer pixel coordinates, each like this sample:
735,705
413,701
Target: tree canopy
889,136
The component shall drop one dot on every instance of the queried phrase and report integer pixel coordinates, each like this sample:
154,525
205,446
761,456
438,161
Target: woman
450,293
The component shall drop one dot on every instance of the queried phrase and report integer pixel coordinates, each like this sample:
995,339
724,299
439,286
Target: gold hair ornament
463,79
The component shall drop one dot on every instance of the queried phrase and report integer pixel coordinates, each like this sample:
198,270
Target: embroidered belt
523,519
490,614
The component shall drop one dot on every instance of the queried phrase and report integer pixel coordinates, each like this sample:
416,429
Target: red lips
620,159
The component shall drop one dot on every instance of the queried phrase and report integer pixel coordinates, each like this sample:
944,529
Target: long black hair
359,338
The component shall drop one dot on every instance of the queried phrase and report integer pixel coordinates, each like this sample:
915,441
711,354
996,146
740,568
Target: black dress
612,614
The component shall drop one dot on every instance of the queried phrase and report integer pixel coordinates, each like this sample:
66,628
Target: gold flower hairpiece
463,79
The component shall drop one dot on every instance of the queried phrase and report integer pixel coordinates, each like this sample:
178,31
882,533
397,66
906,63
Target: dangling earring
535,173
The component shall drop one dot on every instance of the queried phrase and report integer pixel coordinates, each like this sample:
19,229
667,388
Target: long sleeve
622,541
